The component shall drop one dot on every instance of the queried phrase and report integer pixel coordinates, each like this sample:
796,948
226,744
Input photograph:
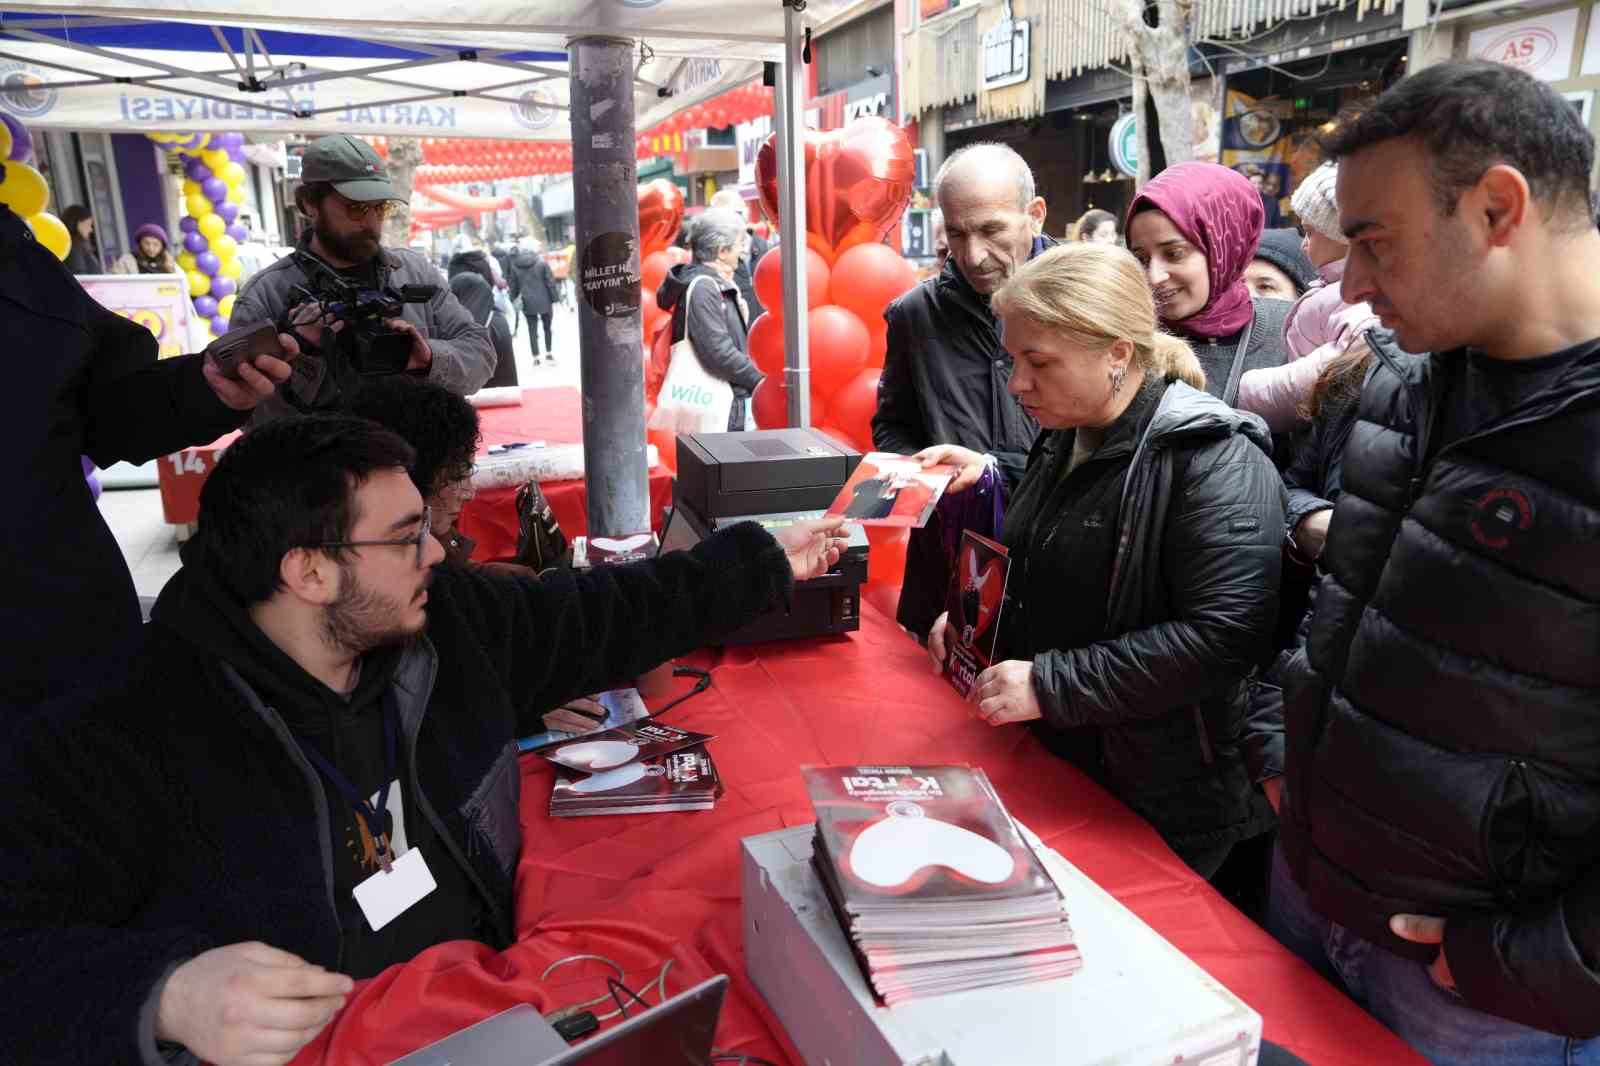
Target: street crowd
1305,542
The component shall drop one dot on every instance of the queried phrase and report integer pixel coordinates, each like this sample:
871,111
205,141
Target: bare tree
405,155
1159,58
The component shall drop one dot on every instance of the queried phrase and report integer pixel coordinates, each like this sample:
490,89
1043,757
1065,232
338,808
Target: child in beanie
1321,324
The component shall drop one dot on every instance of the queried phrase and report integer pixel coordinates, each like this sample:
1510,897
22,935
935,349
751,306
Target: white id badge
386,896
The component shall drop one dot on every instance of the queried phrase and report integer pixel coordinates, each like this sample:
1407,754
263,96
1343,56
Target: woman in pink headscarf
1195,228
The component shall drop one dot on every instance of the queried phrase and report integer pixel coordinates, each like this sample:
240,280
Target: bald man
945,374
743,274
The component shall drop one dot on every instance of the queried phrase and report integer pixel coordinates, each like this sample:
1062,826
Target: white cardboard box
1138,1001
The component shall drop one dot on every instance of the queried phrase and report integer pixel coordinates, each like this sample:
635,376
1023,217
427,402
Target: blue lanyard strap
377,820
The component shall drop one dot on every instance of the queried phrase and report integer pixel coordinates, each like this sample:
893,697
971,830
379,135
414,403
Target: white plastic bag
691,400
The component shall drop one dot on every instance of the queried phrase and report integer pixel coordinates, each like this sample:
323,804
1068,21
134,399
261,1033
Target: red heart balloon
858,183
660,215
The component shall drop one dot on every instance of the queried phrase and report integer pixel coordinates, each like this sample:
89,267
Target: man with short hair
309,772
345,195
945,373
1441,805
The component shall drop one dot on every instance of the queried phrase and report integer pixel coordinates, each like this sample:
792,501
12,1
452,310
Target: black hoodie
348,731
180,814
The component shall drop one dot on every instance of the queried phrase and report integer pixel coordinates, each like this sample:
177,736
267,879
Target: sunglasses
356,211
419,542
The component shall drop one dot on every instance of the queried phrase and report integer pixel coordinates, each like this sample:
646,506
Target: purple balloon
229,213
221,287
238,232
21,139
215,189
195,242
208,263
237,155
196,170
227,140
205,306
188,224
219,324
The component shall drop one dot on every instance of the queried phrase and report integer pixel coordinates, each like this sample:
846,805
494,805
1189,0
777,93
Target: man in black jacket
84,381
945,372
310,771
1442,798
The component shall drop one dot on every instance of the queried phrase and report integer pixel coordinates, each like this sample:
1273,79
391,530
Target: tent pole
790,120
606,275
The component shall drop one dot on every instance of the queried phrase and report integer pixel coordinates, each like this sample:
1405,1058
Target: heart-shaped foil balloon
858,183
660,215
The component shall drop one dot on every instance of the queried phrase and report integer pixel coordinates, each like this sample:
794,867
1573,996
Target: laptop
678,1032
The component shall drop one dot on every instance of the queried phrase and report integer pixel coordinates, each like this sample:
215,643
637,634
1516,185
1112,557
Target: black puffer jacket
1147,580
716,326
181,815
1443,727
531,280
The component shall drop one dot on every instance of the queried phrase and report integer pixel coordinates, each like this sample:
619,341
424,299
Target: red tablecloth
554,416
642,889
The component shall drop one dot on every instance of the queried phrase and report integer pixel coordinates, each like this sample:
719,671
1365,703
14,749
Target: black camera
369,346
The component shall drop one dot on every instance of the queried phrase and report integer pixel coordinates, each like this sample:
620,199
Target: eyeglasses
420,541
356,211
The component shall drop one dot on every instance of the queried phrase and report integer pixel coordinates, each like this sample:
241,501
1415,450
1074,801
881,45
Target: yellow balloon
52,233
215,158
5,141
236,194
192,188
225,246
225,306
198,206
212,227
231,268
199,284
205,139
233,174
187,262
23,189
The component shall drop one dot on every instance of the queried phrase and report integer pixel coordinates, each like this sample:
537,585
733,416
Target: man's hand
1312,533
812,547
421,354
1004,693
258,378
568,720
1273,787
248,1003
1423,929
936,641
968,463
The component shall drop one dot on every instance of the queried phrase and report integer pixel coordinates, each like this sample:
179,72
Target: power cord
702,682
581,1010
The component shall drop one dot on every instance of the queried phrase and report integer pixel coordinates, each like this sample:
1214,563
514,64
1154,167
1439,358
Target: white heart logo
889,852
611,779
626,544
595,754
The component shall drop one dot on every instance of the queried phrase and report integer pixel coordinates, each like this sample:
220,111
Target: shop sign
1005,51
870,97
158,302
1125,144
1541,46
749,137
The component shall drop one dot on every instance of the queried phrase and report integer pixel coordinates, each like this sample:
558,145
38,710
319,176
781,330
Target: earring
1117,375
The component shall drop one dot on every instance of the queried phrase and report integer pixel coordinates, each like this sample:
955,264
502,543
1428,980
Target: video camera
369,347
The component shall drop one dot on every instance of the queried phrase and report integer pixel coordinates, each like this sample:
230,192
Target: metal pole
790,116
606,220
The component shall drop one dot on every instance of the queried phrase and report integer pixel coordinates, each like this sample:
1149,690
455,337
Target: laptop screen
679,1032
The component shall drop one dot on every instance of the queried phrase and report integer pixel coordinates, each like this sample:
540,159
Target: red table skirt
554,416
643,889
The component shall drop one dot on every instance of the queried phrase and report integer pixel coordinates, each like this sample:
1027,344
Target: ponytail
1171,359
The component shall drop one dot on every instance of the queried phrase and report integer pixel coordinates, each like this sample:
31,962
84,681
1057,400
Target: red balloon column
660,219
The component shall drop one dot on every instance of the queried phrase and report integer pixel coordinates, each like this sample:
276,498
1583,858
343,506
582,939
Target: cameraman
345,194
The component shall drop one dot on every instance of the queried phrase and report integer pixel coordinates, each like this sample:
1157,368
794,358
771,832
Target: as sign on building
1541,45
1005,51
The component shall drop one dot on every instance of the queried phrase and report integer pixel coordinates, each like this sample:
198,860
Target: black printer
773,477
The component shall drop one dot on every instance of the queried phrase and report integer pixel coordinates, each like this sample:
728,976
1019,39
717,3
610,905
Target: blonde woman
1145,538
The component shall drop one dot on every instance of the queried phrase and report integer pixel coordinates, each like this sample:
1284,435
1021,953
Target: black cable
612,985
702,683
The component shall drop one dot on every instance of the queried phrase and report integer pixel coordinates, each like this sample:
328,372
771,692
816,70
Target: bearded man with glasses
345,194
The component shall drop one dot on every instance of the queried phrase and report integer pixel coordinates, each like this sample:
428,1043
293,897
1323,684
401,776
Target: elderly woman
1145,541
712,313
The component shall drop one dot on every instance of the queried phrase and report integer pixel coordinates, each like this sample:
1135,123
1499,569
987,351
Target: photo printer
772,477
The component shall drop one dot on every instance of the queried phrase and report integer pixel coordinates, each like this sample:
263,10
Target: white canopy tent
485,68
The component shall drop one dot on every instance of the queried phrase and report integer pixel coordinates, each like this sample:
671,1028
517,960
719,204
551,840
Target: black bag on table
541,545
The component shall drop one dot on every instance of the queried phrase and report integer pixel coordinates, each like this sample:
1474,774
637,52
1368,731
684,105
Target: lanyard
377,820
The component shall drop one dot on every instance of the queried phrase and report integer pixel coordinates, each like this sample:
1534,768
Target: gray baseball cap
351,165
